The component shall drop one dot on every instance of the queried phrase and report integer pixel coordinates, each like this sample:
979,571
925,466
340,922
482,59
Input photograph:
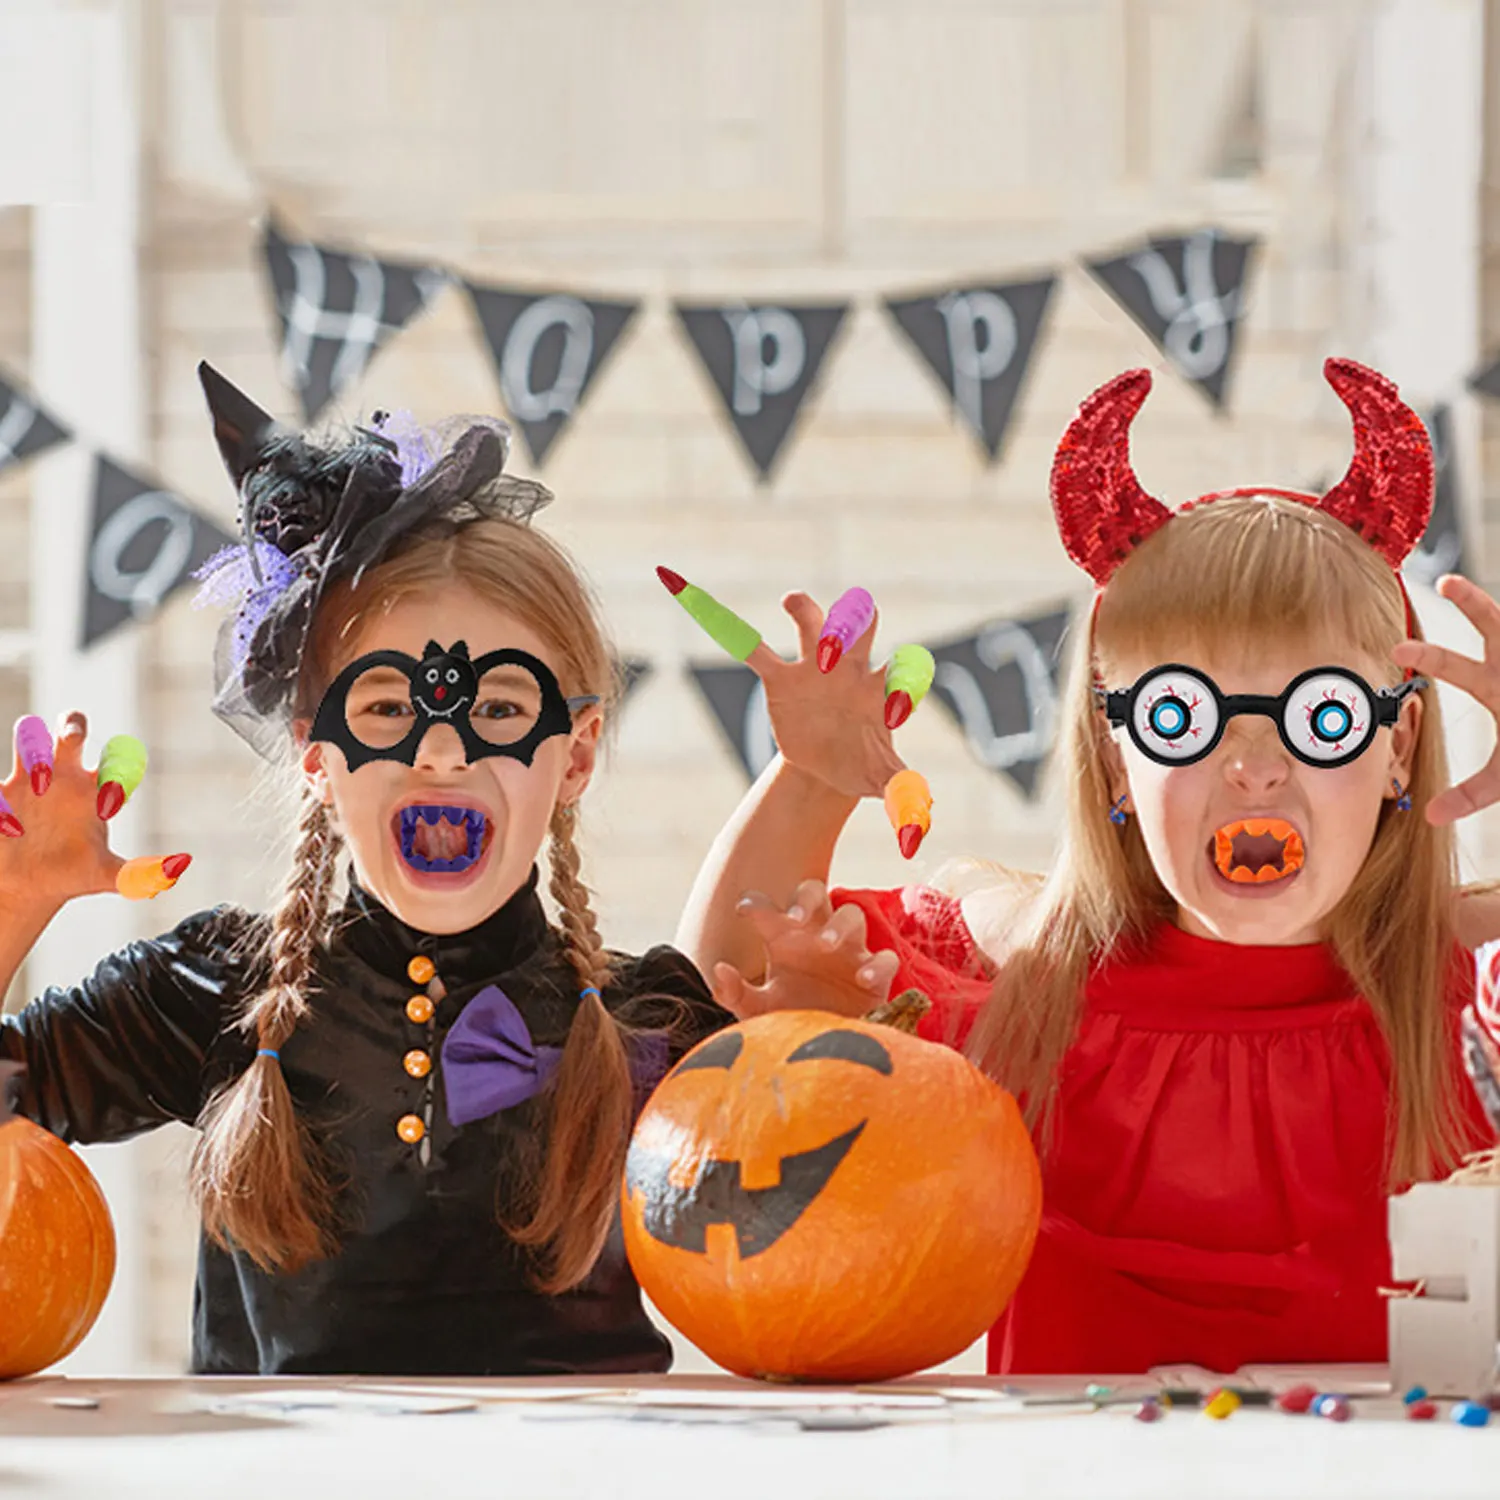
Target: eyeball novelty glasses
1326,716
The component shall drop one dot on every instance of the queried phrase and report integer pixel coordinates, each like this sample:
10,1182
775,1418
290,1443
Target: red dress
1215,1191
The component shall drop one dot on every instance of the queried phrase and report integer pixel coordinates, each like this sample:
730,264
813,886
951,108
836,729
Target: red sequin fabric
1386,497
1103,513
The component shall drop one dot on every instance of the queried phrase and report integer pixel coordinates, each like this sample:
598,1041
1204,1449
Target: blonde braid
255,1174
583,945
592,1101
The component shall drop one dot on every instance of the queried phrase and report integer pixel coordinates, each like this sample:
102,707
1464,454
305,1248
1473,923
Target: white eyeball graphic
1175,715
1328,716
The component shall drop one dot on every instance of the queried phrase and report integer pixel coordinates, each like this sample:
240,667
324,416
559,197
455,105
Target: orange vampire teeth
1256,851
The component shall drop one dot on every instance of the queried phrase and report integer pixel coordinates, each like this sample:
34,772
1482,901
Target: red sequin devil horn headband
1104,514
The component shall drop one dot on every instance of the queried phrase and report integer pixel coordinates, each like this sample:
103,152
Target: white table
276,1439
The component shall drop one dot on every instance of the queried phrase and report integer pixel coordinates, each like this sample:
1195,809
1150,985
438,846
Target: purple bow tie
490,1062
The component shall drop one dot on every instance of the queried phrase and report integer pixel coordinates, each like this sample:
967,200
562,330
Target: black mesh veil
312,515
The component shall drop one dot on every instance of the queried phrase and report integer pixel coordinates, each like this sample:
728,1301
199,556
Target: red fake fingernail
675,582
10,826
830,649
897,710
174,864
41,778
110,800
910,838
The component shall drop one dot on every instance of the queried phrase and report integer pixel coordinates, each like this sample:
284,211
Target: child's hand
816,959
54,833
1479,679
830,725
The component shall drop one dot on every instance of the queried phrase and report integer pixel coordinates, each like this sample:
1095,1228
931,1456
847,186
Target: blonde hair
1239,573
260,1182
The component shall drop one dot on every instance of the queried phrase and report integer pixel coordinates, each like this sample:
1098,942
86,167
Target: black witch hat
312,514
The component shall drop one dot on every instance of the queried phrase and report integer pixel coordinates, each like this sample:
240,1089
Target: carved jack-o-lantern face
821,1198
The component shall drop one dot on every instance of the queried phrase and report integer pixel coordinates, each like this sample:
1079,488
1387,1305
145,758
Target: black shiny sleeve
125,1049
669,992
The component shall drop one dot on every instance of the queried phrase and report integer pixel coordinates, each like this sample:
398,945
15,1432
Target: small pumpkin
57,1249
813,1198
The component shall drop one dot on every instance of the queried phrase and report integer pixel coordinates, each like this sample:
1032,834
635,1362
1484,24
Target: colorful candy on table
908,677
1222,1402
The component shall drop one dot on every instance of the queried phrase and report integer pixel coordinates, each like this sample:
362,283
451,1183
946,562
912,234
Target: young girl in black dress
413,1106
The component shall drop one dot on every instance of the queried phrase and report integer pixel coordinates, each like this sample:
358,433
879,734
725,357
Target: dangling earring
1403,801
1117,814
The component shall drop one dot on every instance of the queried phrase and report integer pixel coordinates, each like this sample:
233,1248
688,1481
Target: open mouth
438,839
1257,851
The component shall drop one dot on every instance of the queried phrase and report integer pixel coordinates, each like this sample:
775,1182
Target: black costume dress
424,1281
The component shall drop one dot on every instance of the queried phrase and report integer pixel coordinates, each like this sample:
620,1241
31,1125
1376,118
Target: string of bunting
144,540
337,307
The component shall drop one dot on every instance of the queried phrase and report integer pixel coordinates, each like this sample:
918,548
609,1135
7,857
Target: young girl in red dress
1231,1009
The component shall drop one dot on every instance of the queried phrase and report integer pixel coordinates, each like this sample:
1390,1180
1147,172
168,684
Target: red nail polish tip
10,826
110,800
675,582
174,864
910,838
897,710
41,778
830,649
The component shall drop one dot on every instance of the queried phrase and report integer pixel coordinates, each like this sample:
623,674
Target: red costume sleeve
938,954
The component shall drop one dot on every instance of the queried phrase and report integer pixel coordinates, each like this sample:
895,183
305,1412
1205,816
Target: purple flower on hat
228,578
418,448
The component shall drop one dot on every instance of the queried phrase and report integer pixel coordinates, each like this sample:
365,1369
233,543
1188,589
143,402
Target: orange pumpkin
809,1197
57,1249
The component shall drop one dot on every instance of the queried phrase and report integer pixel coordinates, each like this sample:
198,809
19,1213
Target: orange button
420,969
419,1009
411,1129
417,1063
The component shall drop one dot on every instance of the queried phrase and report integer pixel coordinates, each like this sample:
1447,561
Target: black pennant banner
1188,293
547,348
978,341
763,360
1487,380
633,670
738,700
1441,549
144,542
25,429
1000,685
336,309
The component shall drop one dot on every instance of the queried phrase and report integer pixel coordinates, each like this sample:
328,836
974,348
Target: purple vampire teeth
440,840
